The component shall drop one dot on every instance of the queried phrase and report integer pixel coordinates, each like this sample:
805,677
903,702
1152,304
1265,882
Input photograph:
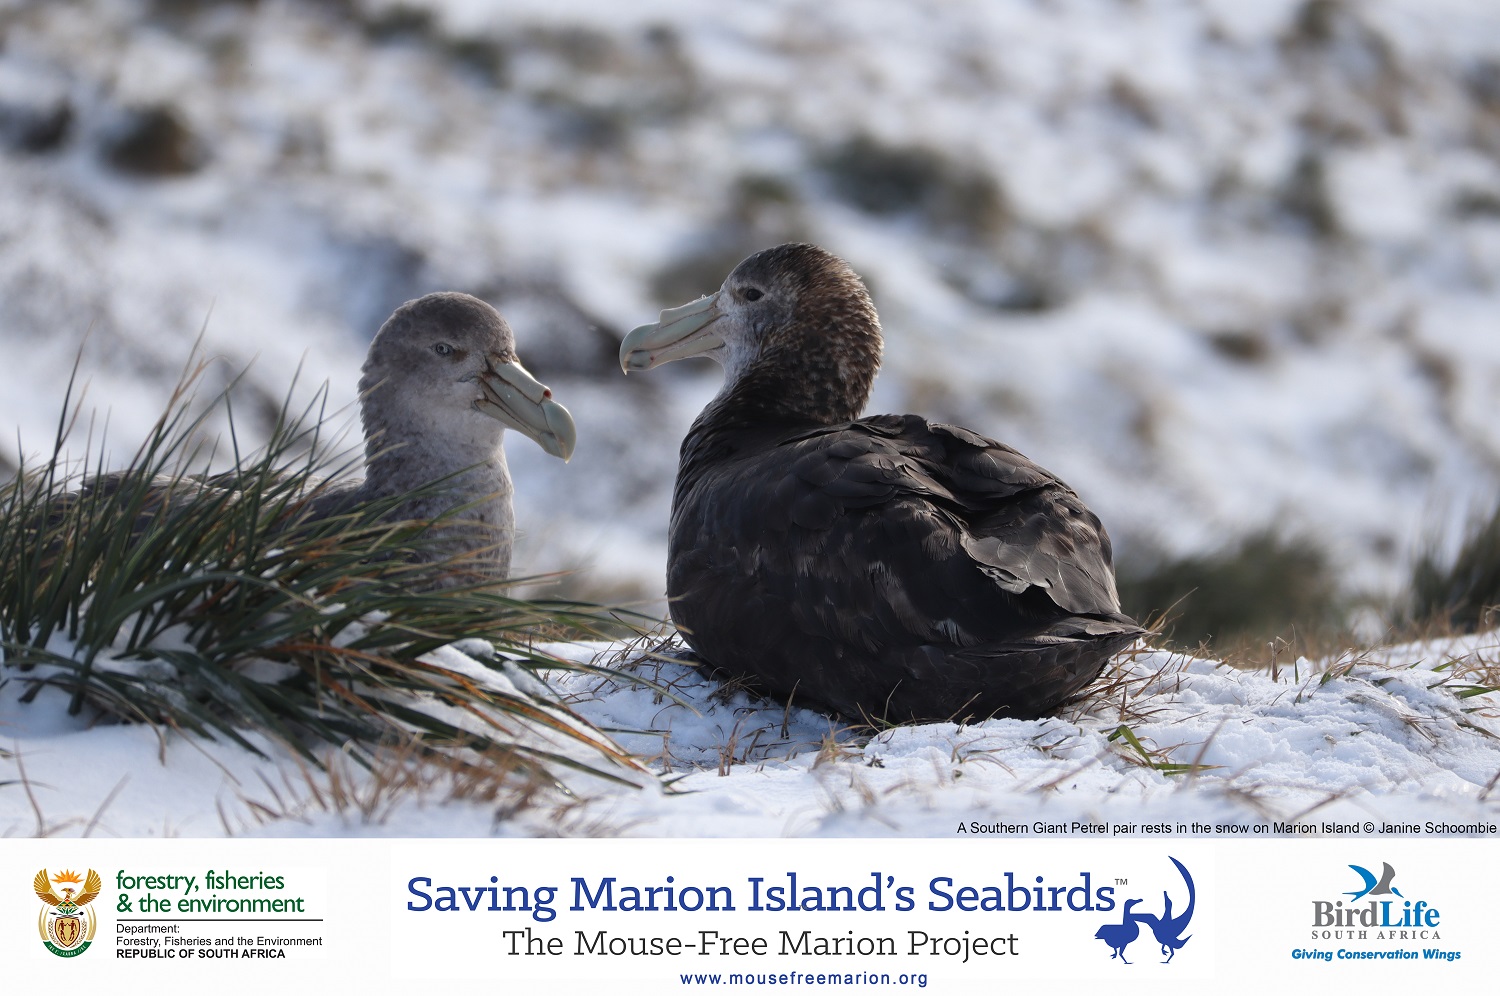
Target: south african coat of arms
67,922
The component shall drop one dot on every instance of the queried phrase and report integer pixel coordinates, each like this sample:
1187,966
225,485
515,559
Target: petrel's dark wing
976,505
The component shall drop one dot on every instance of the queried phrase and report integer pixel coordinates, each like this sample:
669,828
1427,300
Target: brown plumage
886,567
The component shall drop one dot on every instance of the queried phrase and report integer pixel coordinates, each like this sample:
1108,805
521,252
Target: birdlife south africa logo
1168,930
1376,920
1375,910
67,921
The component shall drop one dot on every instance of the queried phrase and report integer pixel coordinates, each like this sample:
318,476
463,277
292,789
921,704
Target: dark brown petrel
885,567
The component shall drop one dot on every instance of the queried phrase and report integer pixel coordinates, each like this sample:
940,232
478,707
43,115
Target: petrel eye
753,294
443,349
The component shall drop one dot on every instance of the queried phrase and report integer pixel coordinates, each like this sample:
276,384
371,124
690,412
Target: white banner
966,914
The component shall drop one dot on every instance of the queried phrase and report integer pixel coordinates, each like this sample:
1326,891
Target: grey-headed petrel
440,385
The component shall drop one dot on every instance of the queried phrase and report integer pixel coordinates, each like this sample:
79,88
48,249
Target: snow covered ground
1390,737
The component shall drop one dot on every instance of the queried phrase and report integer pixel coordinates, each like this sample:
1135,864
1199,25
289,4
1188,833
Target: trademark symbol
1122,881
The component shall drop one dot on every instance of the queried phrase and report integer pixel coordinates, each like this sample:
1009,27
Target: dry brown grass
369,795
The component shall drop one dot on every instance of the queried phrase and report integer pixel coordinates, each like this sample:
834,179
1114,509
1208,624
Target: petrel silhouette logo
1167,929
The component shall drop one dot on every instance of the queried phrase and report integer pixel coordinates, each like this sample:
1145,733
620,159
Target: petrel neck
826,381
404,453
779,394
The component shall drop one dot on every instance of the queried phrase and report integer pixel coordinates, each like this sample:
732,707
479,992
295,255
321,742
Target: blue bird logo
1167,929
1120,935
1374,886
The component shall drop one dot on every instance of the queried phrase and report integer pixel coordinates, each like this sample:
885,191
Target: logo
1167,929
1371,914
67,922
1376,921
1372,887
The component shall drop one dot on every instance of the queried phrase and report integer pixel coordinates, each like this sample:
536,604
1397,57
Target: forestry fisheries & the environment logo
67,921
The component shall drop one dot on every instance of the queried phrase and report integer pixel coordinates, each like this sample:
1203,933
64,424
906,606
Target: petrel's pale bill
682,332
515,398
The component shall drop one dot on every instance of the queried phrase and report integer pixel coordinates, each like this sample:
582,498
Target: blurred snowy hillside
1220,265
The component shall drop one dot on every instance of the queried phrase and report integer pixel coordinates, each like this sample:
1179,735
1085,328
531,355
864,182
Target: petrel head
793,326
449,360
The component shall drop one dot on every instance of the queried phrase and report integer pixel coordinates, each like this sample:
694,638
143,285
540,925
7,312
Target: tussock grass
214,603
1465,594
372,793
883,179
1271,600
1266,591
